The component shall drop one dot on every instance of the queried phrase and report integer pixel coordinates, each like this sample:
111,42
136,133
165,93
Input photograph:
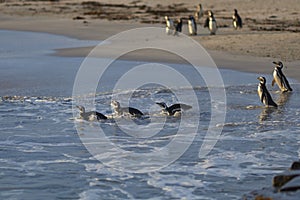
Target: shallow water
42,155
27,67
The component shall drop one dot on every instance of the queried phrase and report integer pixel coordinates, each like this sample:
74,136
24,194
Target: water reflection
283,98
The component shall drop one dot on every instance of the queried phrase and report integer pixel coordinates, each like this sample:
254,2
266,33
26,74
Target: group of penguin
176,109
210,22
173,110
278,78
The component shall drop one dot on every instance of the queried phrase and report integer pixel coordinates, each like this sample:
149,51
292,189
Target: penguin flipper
135,112
269,101
273,81
100,116
185,106
240,22
262,97
286,83
206,22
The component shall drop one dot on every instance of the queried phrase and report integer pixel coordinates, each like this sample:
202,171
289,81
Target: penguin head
278,63
199,6
162,104
262,80
235,11
81,109
115,104
166,18
210,13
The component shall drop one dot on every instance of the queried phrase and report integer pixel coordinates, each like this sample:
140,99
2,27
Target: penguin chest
191,27
235,24
212,26
260,92
279,81
170,24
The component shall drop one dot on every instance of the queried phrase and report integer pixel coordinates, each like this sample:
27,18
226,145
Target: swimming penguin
211,23
178,26
236,20
90,116
125,110
264,94
174,109
280,78
192,26
199,12
169,25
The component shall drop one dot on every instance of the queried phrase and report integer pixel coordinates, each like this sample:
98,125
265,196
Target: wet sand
271,30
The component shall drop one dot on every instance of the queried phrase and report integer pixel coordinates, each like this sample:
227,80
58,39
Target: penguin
236,20
199,12
280,78
211,23
178,26
169,25
173,110
90,116
125,110
264,94
192,26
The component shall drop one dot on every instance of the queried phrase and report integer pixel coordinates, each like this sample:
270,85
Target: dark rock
78,18
261,197
291,186
285,186
281,179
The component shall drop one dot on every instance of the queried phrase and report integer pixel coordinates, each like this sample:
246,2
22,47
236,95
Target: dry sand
271,28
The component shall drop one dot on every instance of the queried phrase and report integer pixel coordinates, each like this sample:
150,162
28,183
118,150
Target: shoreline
102,29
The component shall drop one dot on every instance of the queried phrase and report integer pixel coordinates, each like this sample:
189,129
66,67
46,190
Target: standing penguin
169,25
199,12
264,94
236,20
178,26
280,78
211,23
192,26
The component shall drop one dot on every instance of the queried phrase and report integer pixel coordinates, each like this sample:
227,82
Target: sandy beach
271,29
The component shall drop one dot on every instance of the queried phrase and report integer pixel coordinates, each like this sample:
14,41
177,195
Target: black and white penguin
125,110
173,110
178,26
236,20
192,26
280,78
169,25
90,116
199,12
211,23
264,94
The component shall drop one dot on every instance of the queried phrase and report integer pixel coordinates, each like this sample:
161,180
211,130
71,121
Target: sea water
42,154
